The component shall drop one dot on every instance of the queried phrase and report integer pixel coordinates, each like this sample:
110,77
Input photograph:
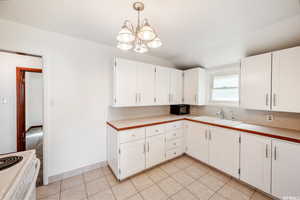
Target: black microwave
180,109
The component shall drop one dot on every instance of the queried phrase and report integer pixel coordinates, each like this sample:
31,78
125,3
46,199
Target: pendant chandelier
141,38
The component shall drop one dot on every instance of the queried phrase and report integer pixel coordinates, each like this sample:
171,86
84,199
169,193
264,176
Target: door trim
20,104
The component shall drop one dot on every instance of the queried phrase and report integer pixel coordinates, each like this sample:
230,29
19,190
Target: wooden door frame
20,100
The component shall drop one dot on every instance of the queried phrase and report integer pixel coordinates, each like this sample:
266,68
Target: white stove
18,181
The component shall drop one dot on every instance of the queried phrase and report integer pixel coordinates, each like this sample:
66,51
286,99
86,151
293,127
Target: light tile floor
179,179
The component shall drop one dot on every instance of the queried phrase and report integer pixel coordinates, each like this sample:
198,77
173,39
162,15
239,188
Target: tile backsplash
280,119
136,112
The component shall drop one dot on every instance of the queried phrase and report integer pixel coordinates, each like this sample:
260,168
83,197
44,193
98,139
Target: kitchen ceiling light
140,38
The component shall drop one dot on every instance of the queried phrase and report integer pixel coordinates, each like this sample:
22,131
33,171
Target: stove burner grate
9,161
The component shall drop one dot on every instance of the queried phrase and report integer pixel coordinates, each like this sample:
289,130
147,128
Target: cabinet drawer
171,144
174,125
171,135
155,130
131,135
173,153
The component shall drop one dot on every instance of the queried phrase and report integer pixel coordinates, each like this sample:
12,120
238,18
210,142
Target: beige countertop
279,133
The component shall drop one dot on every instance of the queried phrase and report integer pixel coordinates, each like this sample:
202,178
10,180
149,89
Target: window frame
223,72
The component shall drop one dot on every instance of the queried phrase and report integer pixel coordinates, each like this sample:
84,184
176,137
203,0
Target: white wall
34,99
8,64
78,85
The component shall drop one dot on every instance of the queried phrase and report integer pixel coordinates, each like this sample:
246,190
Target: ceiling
194,32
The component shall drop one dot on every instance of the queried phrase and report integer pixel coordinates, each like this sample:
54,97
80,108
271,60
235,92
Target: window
225,88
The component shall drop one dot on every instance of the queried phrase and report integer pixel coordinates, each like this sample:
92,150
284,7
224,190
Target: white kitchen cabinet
132,158
224,150
256,161
145,84
162,86
125,73
176,86
256,82
285,169
285,80
194,84
155,146
196,141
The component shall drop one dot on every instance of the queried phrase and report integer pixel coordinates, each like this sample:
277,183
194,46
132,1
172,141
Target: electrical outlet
270,117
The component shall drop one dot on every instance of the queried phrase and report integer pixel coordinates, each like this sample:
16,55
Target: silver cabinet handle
206,134
136,98
267,99
169,98
274,100
144,148
275,153
267,153
140,97
148,147
209,135
196,98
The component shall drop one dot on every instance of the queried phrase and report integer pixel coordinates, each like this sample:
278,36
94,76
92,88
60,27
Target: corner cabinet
194,83
270,81
215,146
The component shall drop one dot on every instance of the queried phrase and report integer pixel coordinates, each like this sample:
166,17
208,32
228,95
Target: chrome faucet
221,114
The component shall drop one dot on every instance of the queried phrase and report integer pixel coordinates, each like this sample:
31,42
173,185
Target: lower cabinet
132,151
270,165
285,169
197,141
256,161
132,158
224,150
215,146
155,146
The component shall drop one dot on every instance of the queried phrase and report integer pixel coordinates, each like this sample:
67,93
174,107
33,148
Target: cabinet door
196,141
256,161
132,158
224,150
256,82
190,86
155,150
145,84
285,80
162,85
125,83
285,169
176,86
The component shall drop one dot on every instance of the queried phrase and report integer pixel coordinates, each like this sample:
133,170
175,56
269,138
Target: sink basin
216,120
228,122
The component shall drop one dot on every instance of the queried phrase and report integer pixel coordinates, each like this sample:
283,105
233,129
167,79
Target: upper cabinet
256,82
176,86
194,83
285,80
270,81
125,76
162,85
141,84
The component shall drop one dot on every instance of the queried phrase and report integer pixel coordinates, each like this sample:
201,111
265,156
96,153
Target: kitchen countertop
279,133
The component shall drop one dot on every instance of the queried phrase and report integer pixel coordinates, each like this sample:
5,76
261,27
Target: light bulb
154,43
124,46
125,35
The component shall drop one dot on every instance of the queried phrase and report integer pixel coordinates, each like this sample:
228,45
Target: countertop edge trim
207,123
